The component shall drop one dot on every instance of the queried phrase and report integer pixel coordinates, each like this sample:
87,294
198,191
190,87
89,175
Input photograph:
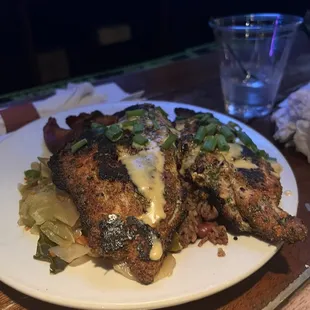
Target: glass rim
290,21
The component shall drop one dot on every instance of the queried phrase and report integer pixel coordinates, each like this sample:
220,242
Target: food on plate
134,188
224,160
126,188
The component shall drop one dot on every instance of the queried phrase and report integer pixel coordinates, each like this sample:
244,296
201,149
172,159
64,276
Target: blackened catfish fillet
129,198
247,187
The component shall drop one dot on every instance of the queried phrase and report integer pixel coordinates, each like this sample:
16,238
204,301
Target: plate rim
58,300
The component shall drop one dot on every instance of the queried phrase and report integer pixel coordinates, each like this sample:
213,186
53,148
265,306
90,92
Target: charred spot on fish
114,233
55,165
110,168
145,234
246,152
250,155
253,177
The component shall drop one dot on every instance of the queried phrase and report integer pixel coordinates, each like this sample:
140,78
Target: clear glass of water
255,49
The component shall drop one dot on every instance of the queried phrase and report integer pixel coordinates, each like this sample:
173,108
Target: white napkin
293,121
76,95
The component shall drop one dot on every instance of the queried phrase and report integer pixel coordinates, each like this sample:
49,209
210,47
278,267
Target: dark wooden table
196,81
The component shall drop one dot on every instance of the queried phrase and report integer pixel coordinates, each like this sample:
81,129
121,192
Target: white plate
198,273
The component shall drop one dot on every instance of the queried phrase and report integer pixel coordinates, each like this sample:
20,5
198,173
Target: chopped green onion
235,127
114,132
244,138
213,120
204,120
138,112
201,115
139,139
222,143
164,113
211,129
76,146
32,174
127,124
138,128
253,148
96,125
169,141
262,153
227,133
200,134
155,123
209,144
98,129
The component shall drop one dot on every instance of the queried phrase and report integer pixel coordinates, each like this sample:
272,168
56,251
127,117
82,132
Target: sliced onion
35,230
71,253
58,232
65,210
39,207
124,270
24,217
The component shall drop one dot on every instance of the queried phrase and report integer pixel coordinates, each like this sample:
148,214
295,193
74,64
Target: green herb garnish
138,112
98,129
114,132
209,144
211,129
96,125
206,115
245,139
235,127
164,113
138,128
200,134
222,143
227,133
204,120
213,120
76,146
169,141
139,139
127,124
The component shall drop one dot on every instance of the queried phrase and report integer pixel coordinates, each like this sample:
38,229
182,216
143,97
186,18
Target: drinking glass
254,52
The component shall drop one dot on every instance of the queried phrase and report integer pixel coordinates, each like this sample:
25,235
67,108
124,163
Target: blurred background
48,40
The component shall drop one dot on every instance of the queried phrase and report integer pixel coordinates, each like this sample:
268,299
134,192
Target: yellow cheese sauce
156,250
233,153
190,159
244,164
234,156
276,167
146,172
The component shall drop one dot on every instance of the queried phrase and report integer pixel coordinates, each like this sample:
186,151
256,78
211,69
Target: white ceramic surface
199,271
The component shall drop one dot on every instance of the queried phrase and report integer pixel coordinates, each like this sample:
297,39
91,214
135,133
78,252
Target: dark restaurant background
48,40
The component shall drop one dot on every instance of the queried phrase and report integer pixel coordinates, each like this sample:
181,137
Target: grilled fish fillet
129,199
247,188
